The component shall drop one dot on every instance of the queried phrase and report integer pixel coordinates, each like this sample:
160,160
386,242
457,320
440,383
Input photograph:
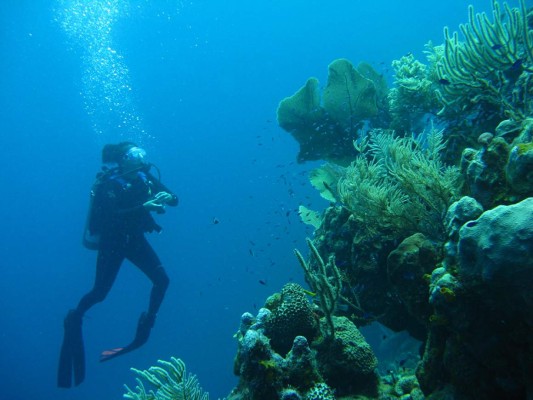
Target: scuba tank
90,239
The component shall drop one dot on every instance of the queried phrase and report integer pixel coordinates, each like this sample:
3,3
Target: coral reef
342,364
418,250
480,341
429,234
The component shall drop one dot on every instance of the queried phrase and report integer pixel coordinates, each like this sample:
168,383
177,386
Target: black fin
72,356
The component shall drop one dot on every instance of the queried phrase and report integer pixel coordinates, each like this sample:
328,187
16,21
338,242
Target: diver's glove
144,326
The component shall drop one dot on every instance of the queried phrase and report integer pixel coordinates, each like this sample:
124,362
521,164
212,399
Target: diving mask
135,153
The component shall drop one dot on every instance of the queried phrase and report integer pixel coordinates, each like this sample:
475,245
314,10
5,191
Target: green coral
171,382
399,186
324,127
491,71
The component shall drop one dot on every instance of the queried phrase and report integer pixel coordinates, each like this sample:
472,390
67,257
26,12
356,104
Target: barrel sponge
292,317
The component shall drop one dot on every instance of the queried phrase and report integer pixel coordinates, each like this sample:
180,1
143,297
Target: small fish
444,81
262,282
251,252
312,294
215,221
496,47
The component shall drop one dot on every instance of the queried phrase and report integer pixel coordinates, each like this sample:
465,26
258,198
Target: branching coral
399,186
491,71
171,382
325,279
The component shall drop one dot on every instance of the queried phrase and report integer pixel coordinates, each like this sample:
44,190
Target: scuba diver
122,199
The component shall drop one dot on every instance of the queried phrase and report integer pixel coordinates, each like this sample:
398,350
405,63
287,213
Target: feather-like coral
399,185
170,381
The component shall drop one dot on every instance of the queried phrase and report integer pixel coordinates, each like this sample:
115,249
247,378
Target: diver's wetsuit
121,220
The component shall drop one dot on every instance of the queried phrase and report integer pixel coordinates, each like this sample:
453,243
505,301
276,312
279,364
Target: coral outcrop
312,369
347,362
291,316
497,248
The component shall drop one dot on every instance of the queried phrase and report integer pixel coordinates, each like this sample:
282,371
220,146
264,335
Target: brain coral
292,316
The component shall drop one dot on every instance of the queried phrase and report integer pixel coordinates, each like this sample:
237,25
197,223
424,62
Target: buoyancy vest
91,235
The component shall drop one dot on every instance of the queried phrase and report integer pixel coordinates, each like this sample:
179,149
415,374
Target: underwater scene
261,200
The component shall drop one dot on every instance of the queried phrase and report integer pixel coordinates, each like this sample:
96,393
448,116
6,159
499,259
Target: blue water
197,84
